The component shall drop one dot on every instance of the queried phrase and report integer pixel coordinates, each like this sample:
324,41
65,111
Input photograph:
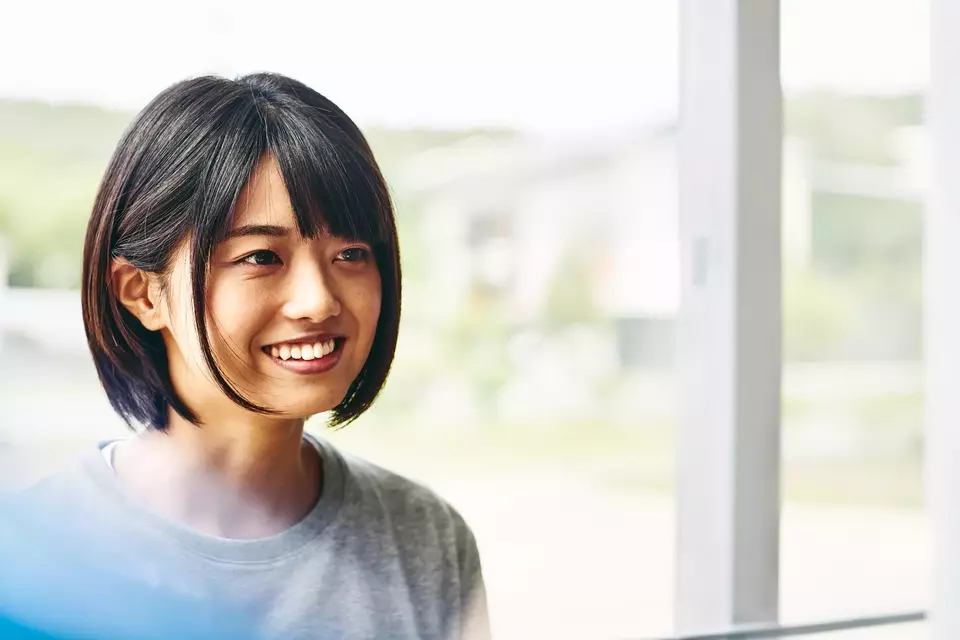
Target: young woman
240,274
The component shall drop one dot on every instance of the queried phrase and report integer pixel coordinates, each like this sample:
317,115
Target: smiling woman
268,286
206,207
241,274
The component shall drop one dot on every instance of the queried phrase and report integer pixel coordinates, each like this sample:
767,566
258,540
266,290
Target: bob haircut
177,173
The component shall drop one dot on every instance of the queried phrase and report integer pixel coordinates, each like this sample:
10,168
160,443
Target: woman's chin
305,409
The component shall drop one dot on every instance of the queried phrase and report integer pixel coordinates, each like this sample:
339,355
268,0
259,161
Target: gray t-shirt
378,556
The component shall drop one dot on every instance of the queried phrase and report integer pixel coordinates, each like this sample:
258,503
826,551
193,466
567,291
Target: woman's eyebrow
243,231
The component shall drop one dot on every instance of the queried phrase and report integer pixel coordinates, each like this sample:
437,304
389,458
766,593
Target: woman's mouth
307,357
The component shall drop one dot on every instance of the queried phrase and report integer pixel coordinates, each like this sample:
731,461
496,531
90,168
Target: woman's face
291,321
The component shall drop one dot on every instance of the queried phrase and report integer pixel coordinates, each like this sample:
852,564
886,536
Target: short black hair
177,172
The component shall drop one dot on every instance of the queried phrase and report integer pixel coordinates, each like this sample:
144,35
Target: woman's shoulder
40,487
64,488
374,490
429,531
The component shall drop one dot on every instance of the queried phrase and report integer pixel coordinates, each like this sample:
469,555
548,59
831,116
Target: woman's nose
310,296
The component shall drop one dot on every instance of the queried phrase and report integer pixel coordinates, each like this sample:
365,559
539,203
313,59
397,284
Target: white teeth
304,351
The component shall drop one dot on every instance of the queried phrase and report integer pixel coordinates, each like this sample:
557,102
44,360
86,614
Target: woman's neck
244,479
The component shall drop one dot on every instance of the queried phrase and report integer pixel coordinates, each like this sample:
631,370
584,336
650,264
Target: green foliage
870,315
861,295
844,128
570,299
818,313
51,160
859,234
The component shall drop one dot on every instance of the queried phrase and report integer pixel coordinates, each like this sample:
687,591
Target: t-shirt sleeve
475,618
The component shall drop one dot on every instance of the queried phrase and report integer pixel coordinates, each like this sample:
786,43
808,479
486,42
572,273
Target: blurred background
531,152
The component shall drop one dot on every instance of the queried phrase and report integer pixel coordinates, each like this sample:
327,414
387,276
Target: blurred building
519,218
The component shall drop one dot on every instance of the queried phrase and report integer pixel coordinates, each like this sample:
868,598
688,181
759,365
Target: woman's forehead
264,199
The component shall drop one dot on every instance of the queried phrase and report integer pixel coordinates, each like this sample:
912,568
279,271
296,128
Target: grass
623,461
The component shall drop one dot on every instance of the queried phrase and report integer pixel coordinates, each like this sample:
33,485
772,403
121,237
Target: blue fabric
48,592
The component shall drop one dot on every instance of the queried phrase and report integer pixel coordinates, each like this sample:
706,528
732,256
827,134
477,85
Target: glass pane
855,184
531,155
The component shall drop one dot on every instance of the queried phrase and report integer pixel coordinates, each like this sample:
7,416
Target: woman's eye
262,258
354,254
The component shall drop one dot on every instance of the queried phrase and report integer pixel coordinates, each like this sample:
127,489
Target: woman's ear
139,292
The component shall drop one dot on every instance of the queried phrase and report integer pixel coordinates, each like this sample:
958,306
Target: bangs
331,177
227,170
